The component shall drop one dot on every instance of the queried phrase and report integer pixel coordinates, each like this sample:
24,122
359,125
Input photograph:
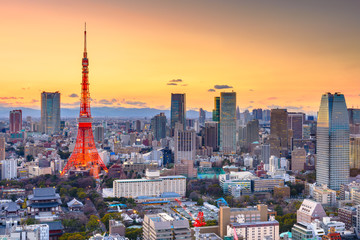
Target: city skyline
143,52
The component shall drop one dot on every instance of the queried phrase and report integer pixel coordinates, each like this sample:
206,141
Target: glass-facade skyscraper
50,112
178,109
158,126
228,122
332,165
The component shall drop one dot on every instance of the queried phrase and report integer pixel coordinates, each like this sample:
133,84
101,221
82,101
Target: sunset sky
272,53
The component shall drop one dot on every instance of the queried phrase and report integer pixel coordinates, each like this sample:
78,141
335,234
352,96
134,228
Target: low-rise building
301,231
324,195
267,184
33,232
133,188
163,226
255,230
44,204
338,227
309,211
75,205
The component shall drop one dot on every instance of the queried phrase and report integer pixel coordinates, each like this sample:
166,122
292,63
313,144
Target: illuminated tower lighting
85,156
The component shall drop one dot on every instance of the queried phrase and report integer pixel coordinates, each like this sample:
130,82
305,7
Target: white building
9,169
326,224
324,195
163,226
255,230
33,232
132,188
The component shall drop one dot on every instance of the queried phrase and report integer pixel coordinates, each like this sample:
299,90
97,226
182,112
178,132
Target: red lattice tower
85,155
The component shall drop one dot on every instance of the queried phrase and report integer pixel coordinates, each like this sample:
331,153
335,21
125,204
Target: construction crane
198,221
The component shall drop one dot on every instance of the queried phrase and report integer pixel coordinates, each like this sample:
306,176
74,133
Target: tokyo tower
85,157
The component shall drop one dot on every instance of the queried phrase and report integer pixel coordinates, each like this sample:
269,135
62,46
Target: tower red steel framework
85,156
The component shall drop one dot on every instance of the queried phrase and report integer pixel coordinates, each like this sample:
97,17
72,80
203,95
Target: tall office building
228,122
50,112
295,123
211,135
158,126
178,109
298,159
216,116
216,111
266,115
257,114
2,148
202,117
354,151
279,132
15,121
252,132
332,165
185,144
354,115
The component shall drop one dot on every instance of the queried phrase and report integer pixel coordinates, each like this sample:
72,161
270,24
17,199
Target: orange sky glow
272,53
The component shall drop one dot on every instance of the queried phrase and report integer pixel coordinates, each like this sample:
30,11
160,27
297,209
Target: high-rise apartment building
50,112
332,165
158,126
265,153
228,122
178,109
279,133
202,117
15,121
9,169
185,144
99,134
266,115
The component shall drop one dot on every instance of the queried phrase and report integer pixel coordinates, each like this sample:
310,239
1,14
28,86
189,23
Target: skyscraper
216,111
252,132
158,126
257,114
50,112
15,121
185,144
228,122
295,123
279,132
178,109
2,147
332,165
202,117
211,135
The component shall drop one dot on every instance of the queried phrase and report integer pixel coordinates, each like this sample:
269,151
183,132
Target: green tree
133,233
93,223
200,202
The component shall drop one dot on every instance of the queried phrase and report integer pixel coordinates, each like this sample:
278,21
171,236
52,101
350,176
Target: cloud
73,95
222,86
251,90
136,103
34,101
8,98
174,84
184,85
176,80
251,101
107,102
28,88
211,90
271,98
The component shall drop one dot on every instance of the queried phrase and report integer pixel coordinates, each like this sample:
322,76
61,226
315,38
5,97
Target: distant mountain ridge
111,112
